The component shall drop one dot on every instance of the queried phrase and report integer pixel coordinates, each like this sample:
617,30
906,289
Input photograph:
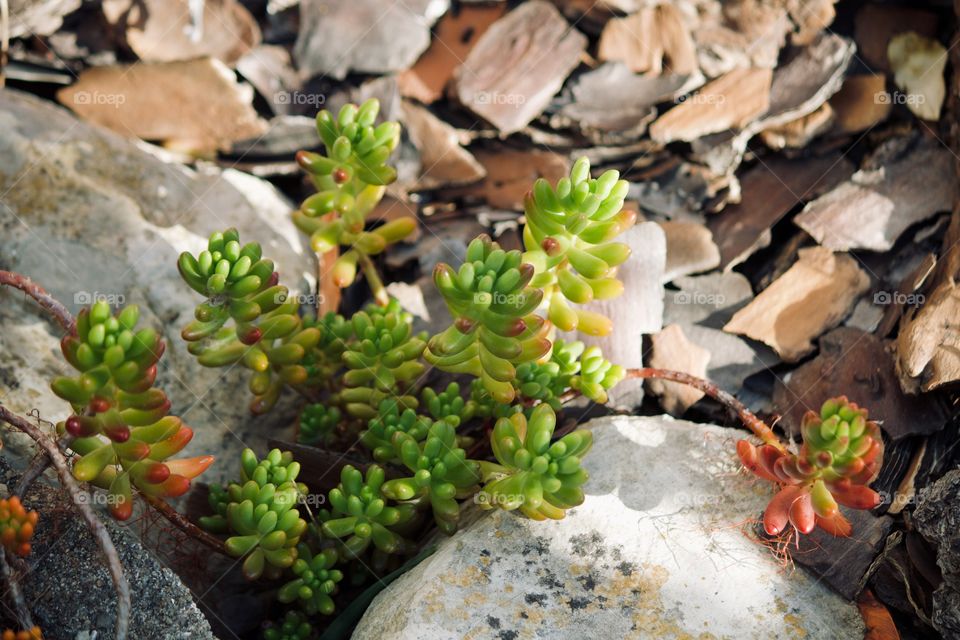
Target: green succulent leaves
261,511
360,516
494,326
248,318
568,237
442,473
294,626
350,181
120,424
318,424
540,479
379,435
316,581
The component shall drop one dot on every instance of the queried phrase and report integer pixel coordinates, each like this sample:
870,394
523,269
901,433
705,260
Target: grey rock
89,213
365,36
69,590
654,552
39,17
937,518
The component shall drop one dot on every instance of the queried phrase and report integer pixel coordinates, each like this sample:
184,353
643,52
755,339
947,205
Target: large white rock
658,550
86,212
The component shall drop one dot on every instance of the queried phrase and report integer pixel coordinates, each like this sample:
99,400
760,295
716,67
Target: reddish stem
181,522
50,304
747,417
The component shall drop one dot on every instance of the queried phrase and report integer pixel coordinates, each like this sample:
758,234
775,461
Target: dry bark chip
690,249
672,350
876,205
861,103
655,39
164,31
510,173
196,103
877,24
814,295
928,347
729,102
918,65
518,65
443,162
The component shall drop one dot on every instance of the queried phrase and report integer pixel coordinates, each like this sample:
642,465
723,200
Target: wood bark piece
38,17
918,65
454,36
861,103
518,65
612,104
443,162
814,295
860,365
269,69
638,311
928,346
729,102
876,205
197,103
163,30
364,36
875,24
510,173
654,39
671,348
810,17
798,133
690,249
770,191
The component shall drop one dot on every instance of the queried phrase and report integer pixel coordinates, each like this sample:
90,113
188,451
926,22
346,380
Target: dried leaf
814,295
518,65
876,618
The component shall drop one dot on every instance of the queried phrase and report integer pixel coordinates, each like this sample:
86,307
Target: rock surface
87,213
654,552
69,590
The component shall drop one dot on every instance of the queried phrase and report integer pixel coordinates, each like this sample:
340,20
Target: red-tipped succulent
841,455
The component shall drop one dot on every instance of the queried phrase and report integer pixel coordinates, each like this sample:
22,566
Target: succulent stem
747,417
50,304
377,289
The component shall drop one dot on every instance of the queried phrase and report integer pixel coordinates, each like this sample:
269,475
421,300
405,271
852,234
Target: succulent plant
247,318
494,326
318,423
294,626
568,238
540,479
316,581
351,180
120,424
384,358
324,361
442,473
16,526
359,514
378,437
596,374
33,633
841,455
261,512
448,405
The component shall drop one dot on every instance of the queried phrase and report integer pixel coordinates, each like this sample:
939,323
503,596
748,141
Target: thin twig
747,417
38,465
16,595
181,522
82,503
53,306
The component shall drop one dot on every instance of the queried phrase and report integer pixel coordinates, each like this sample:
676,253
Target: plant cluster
841,455
120,425
16,526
